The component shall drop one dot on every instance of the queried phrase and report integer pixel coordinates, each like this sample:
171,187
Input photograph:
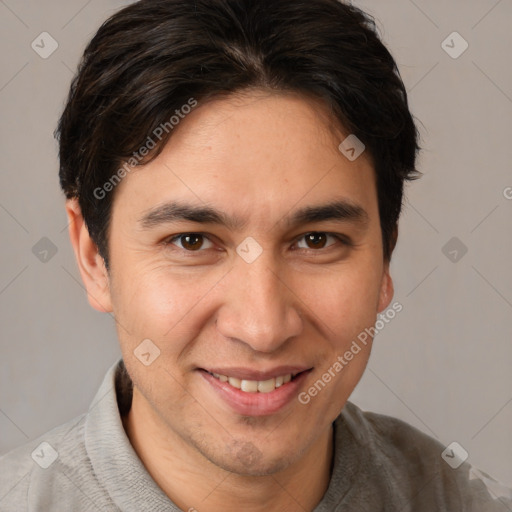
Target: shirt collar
115,463
120,471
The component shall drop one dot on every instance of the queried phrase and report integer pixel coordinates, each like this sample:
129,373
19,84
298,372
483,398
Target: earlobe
386,287
90,263
386,290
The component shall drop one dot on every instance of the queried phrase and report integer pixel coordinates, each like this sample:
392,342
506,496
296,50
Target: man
234,174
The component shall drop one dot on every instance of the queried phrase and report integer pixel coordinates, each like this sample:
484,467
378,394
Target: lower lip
256,404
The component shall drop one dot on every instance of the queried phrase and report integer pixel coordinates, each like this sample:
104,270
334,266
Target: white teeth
255,386
236,383
249,386
266,386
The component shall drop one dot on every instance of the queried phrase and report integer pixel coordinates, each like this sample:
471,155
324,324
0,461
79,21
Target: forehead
261,152
257,123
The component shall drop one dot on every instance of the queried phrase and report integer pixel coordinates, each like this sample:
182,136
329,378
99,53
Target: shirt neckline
115,462
120,471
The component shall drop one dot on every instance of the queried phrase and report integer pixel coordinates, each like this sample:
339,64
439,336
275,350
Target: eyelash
340,238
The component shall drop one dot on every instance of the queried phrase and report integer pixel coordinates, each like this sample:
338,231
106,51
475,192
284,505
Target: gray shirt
380,464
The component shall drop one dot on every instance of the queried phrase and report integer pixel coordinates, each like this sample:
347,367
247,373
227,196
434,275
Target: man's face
211,306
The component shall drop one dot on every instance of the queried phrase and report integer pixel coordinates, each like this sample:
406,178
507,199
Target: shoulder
52,473
40,460
423,472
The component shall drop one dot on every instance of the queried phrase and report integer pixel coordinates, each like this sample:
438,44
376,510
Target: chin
244,458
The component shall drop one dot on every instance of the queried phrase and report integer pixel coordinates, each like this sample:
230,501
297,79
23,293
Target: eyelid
340,238
173,238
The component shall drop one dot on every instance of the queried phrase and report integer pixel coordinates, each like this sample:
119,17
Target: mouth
256,386
255,393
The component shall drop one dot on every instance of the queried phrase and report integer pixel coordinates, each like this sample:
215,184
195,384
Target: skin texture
260,157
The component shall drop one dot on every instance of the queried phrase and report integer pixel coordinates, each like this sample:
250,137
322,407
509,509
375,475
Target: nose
259,308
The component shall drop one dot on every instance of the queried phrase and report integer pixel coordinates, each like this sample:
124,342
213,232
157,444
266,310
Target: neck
193,482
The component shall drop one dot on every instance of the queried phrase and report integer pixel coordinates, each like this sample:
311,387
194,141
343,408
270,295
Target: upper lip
252,374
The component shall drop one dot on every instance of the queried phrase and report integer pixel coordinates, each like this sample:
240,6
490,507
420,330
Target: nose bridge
259,309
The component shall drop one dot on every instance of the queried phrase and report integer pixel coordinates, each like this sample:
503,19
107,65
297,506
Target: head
214,213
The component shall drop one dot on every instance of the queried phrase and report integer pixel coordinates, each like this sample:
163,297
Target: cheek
163,305
346,301
145,299
350,309
153,316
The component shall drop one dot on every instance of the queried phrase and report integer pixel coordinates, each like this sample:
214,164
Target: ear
90,263
386,286
386,289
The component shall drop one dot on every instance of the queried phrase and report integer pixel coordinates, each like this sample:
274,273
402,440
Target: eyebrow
338,210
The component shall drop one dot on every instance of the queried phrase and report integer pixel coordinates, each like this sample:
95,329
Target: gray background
443,364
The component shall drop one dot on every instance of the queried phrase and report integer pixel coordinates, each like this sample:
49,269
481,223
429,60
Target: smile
256,393
256,386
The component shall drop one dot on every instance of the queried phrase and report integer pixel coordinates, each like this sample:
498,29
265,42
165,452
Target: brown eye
319,240
316,240
192,242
